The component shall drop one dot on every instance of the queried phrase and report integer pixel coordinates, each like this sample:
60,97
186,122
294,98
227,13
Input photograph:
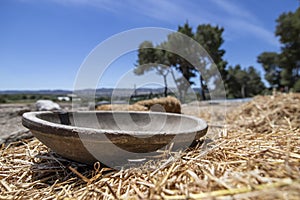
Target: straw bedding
256,156
165,104
121,107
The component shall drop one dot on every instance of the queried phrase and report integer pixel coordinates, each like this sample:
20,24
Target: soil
12,128
11,121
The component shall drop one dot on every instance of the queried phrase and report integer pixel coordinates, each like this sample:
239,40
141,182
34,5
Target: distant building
63,98
74,97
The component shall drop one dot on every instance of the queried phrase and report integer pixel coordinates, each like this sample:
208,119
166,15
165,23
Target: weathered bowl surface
112,136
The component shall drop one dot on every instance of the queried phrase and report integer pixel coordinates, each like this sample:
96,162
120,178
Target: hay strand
257,156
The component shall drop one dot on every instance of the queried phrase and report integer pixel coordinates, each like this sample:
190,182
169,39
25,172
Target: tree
211,40
181,64
254,84
150,58
209,37
244,82
287,62
163,62
288,31
270,63
297,86
234,90
239,80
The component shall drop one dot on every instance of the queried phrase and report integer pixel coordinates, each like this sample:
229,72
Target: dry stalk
257,157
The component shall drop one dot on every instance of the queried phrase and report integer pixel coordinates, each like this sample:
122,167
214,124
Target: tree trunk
202,88
184,96
166,85
180,96
243,92
177,85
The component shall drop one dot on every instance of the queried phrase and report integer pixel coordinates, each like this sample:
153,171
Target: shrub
297,86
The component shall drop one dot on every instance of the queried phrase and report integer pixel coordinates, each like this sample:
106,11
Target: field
251,153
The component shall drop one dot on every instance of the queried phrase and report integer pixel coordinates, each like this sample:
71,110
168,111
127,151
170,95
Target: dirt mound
256,157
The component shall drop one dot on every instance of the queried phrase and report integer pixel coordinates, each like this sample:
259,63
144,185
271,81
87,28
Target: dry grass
165,104
257,156
121,107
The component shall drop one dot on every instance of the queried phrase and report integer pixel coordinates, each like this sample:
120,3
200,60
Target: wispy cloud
241,20
235,10
259,32
108,5
234,17
168,11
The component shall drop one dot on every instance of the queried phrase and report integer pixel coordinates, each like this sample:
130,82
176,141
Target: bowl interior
146,122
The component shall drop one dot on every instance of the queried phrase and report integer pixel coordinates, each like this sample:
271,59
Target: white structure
45,105
63,98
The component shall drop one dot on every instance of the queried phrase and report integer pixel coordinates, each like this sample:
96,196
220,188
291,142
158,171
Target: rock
46,105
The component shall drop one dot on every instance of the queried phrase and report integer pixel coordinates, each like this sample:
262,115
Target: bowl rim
33,122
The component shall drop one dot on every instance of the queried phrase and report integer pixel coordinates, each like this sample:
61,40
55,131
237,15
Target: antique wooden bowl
112,136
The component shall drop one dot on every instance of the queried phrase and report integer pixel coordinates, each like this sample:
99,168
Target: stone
46,105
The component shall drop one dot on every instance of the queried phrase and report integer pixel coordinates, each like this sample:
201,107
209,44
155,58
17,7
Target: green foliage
244,82
255,85
25,98
151,57
3,99
283,69
270,63
102,98
237,81
211,40
297,86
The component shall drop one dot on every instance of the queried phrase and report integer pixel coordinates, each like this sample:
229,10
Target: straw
257,156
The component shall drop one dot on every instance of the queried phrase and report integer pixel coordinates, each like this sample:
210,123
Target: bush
297,86
3,100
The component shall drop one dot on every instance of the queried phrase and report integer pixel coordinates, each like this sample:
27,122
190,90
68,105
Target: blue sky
44,42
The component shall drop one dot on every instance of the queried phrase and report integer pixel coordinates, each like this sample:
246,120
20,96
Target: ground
252,154
12,129
10,120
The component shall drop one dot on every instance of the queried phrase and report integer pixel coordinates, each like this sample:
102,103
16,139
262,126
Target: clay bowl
110,136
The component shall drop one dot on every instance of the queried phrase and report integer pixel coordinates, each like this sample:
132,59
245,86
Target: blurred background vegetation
25,98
